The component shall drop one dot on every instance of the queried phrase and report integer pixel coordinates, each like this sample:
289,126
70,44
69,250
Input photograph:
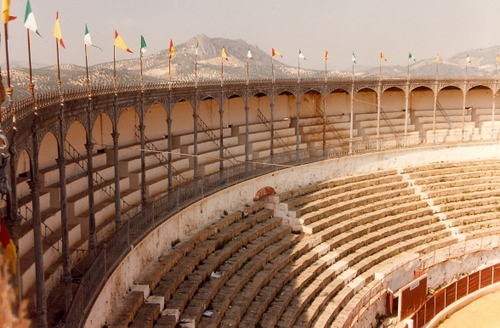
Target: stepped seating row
77,200
208,249
350,230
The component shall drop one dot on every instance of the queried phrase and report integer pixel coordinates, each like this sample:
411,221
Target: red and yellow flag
57,31
171,49
120,43
274,52
327,55
10,252
382,56
224,54
6,12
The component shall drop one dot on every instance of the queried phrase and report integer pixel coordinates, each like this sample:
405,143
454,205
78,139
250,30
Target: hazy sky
367,27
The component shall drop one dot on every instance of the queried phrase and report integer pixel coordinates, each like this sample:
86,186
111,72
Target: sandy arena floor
482,313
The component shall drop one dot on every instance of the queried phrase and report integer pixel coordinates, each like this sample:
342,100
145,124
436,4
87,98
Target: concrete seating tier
347,245
483,116
201,255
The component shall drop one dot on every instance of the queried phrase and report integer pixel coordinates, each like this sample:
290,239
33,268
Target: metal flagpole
298,70
31,86
87,80
8,90
114,67
58,67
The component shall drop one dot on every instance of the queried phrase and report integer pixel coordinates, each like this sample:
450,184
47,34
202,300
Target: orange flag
171,49
274,52
382,56
57,31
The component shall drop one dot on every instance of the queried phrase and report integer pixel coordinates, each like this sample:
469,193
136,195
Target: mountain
155,67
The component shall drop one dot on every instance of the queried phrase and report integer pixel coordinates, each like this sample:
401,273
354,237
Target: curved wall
210,208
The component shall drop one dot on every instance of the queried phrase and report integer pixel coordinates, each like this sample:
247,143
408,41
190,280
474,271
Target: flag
29,19
57,31
87,40
498,58
6,12
468,59
301,55
353,58
224,54
327,55
9,253
438,59
410,56
143,46
120,43
382,56
275,53
171,49
196,51
249,54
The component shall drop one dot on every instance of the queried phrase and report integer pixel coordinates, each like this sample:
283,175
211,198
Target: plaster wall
210,208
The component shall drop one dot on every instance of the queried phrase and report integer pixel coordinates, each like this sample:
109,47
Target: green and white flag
411,57
143,46
301,55
196,51
468,59
29,19
87,40
353,58
249,54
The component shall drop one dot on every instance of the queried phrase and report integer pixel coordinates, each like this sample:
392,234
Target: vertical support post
142,136
247,130
115,135
407,96
463,109
195,141
379,94
90,182
351,119
34,184
325,96
66,255
434,113
221,134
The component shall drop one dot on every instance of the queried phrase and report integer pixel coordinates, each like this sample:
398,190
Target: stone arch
155,121
450,97
128,127
421,98
182,118
48,151
101,132
393,100
234,111
365,101
311,104
208,112
76,138
23,173
338,102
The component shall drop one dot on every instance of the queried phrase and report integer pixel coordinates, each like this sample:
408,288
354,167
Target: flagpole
58,66
31,86
408,68
169,75
114,66
222,71
248,63
272,68
437,66
380,67
140,59
298,70
87,80
326,68
8,90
